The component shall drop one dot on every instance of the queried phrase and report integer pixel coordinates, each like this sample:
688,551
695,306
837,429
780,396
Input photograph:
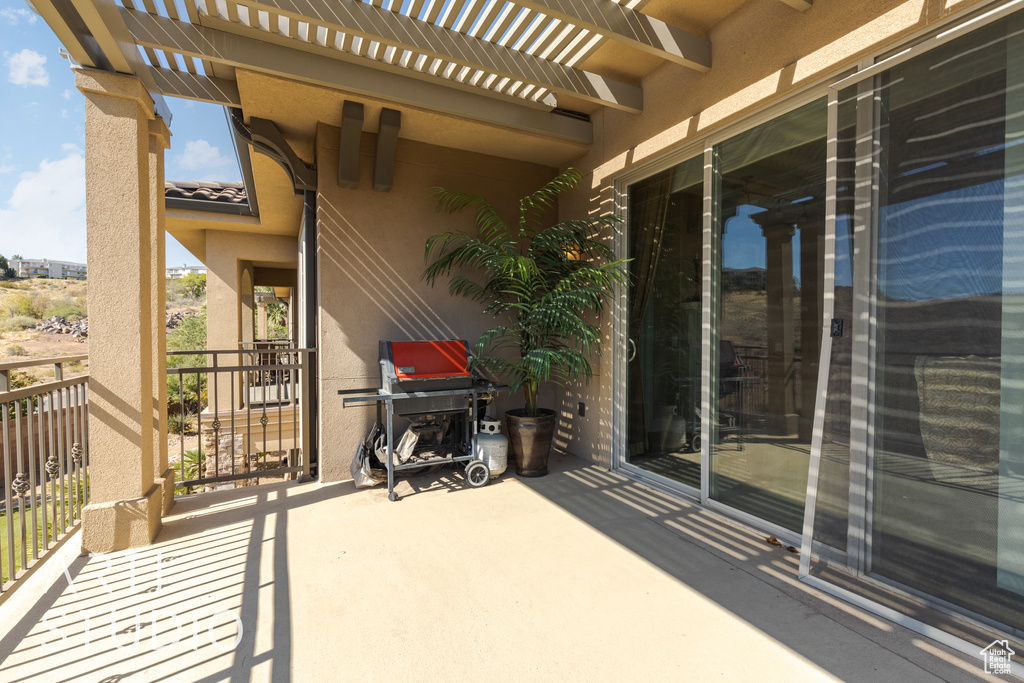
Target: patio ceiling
495,61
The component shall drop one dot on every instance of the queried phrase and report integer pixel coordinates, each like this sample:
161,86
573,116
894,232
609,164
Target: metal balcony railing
45,473
240,416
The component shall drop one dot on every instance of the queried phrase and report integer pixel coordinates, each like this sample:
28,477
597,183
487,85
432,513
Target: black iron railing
239,416
45,466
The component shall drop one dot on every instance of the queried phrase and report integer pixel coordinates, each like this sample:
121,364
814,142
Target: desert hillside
43,318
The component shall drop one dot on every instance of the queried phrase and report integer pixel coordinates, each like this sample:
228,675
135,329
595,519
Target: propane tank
492,446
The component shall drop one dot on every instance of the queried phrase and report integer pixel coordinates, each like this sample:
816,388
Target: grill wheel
477,474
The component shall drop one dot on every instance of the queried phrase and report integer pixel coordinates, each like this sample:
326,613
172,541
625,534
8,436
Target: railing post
5,380
305,405
58,372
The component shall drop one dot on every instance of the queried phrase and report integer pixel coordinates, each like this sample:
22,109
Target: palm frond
533,206
546,283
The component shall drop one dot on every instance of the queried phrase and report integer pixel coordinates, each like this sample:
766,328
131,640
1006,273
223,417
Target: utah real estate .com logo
997,657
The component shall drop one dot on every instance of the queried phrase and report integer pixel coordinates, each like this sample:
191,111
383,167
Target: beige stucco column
261,319
159,140
126,502
246,301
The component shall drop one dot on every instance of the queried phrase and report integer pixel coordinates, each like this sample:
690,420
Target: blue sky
42,138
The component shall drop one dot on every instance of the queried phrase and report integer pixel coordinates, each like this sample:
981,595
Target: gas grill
428,388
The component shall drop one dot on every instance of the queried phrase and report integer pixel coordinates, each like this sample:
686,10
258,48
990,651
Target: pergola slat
310,63
633,28
194,87
394,29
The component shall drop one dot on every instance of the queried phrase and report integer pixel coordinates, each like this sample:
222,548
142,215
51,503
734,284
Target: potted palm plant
545,284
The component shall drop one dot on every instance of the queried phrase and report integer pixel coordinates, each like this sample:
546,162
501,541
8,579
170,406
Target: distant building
745,277
28,267
176,272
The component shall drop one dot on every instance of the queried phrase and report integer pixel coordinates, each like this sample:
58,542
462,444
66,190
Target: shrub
17,323
193,285
193,395
189,336
190,470
20,380
15,350
180,423
188,290
22,305
65,308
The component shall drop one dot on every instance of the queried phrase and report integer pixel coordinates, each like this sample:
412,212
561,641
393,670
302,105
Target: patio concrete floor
580,575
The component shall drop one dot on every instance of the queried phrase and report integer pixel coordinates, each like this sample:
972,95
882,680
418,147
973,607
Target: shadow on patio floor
580,575
219,561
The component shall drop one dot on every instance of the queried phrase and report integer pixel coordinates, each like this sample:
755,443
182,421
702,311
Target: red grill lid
420,359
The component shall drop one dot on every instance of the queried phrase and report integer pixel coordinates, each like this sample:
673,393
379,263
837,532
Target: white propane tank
492,446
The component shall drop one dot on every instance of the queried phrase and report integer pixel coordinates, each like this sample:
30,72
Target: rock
175,319
60,325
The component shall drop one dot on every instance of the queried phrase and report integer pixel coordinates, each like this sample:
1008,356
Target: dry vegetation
25,303
745,315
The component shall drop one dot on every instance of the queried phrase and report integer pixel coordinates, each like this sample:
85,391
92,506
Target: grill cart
427,387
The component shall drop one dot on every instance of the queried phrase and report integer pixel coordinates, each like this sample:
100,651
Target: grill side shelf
381,396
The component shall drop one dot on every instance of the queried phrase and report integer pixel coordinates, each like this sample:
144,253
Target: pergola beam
630,27
389,123
802,5
348,146
258,55
102,19
406,33
65,22
195,87
94,16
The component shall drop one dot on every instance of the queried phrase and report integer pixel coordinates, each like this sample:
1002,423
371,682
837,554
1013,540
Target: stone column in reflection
812,273
781,419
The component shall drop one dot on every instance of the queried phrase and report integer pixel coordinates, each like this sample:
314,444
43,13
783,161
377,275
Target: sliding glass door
664,345
769,232
947,517
893,210
930,174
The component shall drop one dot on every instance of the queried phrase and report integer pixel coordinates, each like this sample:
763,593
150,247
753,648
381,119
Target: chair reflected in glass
733,377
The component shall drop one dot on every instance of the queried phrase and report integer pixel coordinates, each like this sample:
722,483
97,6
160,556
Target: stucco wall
225,251
762,53
370,260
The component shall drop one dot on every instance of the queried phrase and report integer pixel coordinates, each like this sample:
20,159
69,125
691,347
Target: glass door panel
664,368
770,228
947,516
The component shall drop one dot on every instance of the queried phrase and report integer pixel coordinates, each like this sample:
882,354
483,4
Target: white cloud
45,213
70,147
66,94
200,155
14,17
5,168
27,68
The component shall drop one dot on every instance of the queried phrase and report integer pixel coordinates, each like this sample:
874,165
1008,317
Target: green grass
70,495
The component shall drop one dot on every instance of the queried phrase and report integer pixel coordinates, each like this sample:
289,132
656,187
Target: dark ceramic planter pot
530,438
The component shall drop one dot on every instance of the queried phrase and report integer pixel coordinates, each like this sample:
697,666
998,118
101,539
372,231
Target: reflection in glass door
664,368
933,191
770,228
